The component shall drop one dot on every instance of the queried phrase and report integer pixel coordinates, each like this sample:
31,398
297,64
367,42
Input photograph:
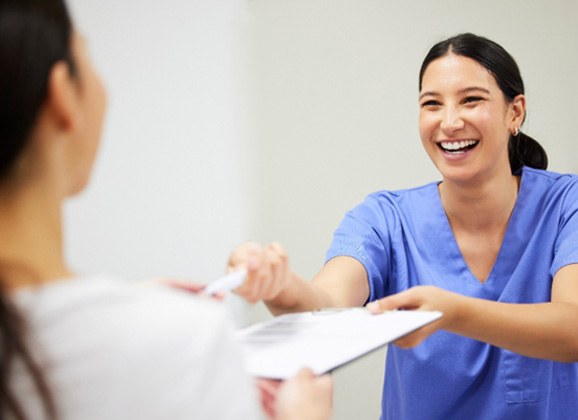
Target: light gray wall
268,119
335,115
168,193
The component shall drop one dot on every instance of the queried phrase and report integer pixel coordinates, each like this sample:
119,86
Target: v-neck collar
508,254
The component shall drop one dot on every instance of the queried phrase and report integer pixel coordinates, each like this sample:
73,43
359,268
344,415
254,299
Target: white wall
268,119
168,196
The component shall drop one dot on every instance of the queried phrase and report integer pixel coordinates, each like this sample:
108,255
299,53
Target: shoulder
123,344
100,300
551,186
396,195
113,317
541,175
385,211
393,202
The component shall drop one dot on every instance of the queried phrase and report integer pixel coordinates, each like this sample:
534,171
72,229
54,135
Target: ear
61,100
519,111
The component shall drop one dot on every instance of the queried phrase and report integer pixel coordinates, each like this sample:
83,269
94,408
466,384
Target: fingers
403,300
248,256
416,338
278,271
267,270
184,285
240,256
268,390
323,384
305,396
422,298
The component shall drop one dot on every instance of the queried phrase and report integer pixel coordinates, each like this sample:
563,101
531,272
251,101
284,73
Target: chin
457,175
78,188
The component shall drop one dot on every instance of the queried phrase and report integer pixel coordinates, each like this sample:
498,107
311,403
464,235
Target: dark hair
34,35
522,149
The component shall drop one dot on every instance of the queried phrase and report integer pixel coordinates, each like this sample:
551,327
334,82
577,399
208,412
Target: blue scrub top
403,239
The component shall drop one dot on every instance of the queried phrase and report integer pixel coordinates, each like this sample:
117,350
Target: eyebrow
461,91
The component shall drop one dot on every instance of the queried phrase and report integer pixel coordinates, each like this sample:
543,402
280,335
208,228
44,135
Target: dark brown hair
34,35
522,149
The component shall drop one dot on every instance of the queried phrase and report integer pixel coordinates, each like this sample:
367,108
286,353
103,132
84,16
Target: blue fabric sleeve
566,246
364,235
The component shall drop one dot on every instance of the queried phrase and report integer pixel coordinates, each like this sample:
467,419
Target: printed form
322,340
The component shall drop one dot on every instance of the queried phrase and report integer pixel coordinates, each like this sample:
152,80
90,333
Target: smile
458,146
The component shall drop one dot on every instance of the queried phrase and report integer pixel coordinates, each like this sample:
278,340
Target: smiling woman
499,78
491,245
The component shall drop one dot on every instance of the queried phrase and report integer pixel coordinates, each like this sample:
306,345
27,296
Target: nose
451,121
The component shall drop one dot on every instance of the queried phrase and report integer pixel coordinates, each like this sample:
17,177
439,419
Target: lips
457,146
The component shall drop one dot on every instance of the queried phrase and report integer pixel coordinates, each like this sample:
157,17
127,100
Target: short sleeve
566,245
363,234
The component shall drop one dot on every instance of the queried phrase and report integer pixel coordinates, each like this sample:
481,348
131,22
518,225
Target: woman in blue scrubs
494,246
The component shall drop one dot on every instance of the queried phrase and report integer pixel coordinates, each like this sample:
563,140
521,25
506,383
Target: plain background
268,119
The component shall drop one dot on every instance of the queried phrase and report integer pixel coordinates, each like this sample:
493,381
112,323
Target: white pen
227,282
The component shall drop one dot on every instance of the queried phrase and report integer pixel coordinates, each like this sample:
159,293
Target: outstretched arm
340,282
542,330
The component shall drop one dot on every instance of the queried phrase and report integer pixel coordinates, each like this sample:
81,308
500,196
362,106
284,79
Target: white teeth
457,145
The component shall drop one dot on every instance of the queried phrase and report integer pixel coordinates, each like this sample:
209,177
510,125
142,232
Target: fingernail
253,263
372,307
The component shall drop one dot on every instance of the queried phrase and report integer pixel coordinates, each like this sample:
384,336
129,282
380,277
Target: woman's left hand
421,298
184,285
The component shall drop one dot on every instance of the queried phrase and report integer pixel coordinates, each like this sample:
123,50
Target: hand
303,397
268,390
268,272
424,298
184,285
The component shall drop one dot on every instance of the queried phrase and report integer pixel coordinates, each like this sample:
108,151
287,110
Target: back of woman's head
523,150
34,35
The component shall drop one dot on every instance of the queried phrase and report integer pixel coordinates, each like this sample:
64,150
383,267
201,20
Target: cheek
485,118
427,124
489,120
98,103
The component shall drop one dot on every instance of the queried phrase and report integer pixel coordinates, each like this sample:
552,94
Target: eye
472,99
430,104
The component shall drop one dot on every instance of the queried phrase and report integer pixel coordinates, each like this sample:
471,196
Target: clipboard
322,340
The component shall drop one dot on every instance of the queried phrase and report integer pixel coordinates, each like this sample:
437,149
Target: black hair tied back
523,150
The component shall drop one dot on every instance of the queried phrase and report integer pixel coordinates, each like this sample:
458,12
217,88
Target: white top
119,351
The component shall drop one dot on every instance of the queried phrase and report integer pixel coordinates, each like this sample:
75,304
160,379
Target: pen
227,282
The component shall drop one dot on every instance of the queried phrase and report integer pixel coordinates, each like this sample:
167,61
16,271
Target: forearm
545,330
301,295
341,282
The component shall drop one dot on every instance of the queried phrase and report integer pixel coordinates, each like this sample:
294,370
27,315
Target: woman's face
91,101
464,120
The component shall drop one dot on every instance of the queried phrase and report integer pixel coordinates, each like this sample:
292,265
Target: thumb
390,303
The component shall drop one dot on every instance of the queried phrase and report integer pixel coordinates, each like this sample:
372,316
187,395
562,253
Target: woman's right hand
305,397
268,272
302,397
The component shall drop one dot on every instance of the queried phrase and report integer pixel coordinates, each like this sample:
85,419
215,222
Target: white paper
322,340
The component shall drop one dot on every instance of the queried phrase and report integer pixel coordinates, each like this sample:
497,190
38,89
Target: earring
516,132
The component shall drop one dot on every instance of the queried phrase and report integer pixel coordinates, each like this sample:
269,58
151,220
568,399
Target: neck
483,207
31,236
